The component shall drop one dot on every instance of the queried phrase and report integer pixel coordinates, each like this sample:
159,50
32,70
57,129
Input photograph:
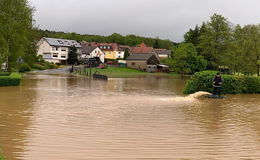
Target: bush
202,81
39,67
13,80
24,67
5,73
1,157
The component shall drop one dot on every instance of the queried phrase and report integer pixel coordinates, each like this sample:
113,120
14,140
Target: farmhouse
141,61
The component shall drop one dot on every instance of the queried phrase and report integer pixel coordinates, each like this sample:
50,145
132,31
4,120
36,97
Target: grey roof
88,49
140,56
62,42
163,51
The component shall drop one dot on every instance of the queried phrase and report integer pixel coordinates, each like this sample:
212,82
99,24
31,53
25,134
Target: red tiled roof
142,48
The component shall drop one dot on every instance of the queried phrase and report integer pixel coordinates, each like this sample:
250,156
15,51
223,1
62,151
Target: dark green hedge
12,80
202,81
5,74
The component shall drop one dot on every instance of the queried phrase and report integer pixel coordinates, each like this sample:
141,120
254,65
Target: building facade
163,53
56,50
92,52
140,61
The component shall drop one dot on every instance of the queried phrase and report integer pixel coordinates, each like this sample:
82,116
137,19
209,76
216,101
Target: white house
56,50
92,52
120,53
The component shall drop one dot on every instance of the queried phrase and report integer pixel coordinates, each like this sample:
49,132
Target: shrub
1,157
12,80
24,67
38,67
202,81
5,73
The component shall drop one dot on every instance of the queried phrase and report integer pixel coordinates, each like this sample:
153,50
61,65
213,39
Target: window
133,63
55,55
47,55
63,49
54,48
60,42
63,56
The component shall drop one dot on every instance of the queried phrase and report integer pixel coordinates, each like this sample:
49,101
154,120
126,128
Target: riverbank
10,79
117,72
1,156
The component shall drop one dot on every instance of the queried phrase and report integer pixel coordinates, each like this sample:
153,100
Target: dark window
55,55
133,63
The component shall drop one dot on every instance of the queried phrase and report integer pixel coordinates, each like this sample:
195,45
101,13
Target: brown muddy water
53,117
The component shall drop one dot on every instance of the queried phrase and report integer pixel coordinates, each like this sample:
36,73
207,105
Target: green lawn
115,72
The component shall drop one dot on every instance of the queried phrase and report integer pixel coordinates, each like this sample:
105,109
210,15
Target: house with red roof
142,48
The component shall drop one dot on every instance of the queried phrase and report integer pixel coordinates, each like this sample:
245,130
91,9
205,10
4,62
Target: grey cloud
168,19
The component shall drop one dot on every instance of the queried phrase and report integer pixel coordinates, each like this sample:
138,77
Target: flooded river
52,117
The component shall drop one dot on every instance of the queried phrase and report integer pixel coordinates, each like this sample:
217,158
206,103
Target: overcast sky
167,19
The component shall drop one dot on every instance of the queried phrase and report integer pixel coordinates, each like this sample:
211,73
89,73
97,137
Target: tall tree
72,56
251,44
127,54
214,42
15,32
193,36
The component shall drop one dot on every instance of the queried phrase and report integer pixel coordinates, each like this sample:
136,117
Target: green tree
193,36
251,45
214,42
72,56
15,31
127,54
186,60
156,43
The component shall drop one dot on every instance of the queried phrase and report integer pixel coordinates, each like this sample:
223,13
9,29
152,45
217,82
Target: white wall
49,52
120,54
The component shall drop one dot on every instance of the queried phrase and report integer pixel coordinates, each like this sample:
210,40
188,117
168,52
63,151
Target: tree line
130,40
227,46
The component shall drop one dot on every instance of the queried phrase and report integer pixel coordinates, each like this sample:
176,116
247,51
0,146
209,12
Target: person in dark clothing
217,84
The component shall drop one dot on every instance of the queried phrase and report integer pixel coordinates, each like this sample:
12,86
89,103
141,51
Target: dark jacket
217,81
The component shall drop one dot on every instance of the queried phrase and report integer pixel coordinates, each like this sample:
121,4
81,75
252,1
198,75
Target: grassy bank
12,79
202,81
1,156
115,72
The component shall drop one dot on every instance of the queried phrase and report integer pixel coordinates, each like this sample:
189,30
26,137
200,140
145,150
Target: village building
141,61
56,50
142,48
121,51
92,52
163,53
110,49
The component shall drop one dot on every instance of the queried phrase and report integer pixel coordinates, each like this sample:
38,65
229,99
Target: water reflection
64,118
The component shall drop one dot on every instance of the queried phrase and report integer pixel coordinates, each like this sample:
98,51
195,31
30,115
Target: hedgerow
202,81
13,79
